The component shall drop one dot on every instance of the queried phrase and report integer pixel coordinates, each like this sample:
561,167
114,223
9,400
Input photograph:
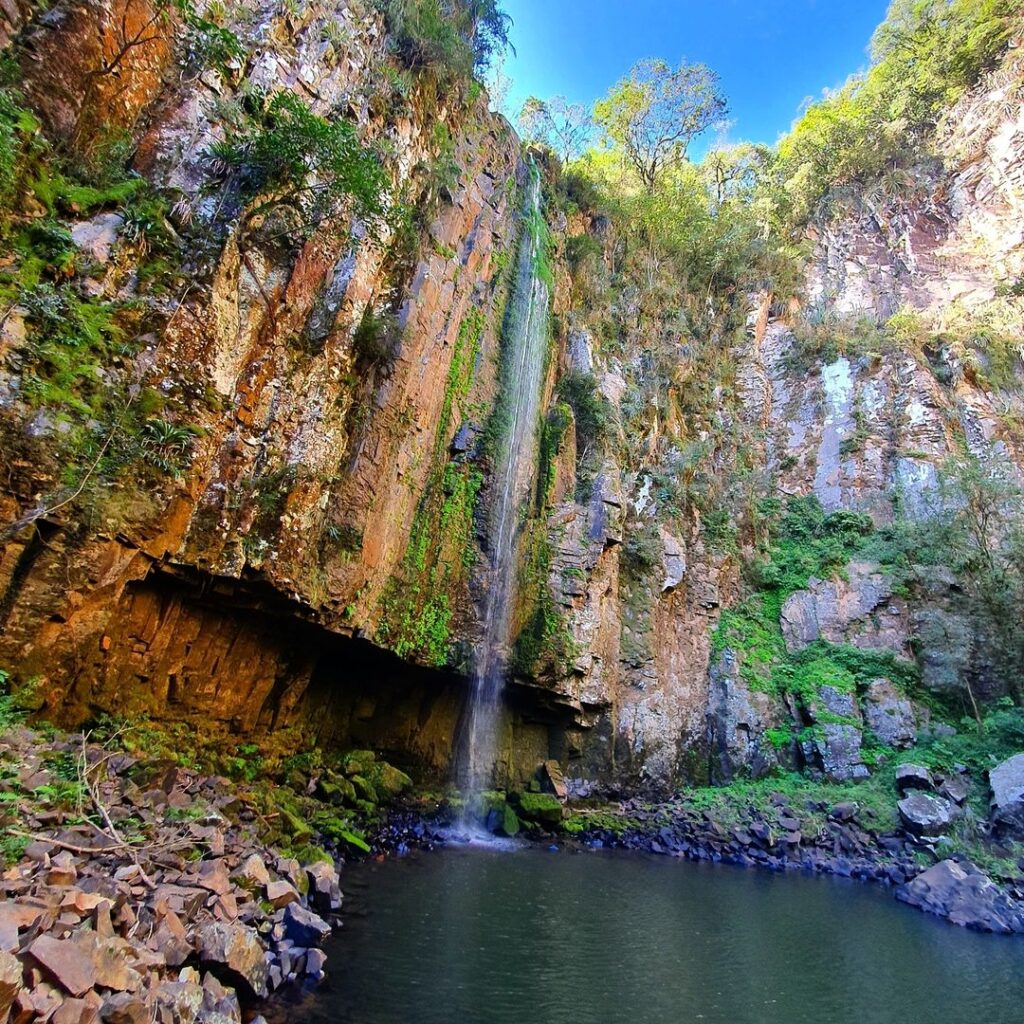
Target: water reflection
533,937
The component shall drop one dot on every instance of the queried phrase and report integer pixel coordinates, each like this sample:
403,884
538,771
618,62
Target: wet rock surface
964,894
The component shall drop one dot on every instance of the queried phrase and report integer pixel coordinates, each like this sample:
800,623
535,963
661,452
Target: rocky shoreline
838,840
145,892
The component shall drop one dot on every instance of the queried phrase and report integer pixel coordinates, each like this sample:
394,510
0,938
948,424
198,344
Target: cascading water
524,350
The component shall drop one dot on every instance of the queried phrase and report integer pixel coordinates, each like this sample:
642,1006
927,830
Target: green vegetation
591,413
283,153
924,56
806,542
450,39
416,607
656,112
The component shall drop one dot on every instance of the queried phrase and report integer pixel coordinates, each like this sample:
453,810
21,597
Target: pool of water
471,936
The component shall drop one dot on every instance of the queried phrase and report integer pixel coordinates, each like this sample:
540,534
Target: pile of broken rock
183,927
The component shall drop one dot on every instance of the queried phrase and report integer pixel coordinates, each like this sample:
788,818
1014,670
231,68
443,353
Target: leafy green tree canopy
657,111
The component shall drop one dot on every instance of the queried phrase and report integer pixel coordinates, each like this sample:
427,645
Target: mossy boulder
365,789
387,781
335,789
358,762
509,822
294,827
542,808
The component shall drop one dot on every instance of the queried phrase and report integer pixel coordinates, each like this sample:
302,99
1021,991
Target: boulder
69,965
110,960
220,1004
79,1011
280,894
62,870
324,889
508,822
889,715
542,808
956,788
914,776
97,237
234,950
1007,782
10,982
838,749
127,1008
357,762
304,928
182,1000
924,814
252,872
387,781
845,811
964,895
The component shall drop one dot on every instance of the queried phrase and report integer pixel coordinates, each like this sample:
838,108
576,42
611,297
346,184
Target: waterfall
524,341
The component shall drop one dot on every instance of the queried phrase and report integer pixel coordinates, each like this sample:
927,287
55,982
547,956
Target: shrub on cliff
279,149
452,38
925,55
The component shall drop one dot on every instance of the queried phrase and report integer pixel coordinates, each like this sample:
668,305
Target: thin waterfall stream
525,340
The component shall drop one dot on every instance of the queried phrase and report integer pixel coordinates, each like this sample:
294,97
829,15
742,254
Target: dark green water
531,937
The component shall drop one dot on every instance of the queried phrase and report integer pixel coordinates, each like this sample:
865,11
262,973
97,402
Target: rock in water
1007,782
965,895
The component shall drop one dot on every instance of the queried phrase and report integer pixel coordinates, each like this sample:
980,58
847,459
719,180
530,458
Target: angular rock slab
965,896
925,815
1007,782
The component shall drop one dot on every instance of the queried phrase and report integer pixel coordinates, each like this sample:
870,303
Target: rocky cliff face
313,463
313,561
858,429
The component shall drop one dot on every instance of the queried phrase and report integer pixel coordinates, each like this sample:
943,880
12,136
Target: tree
565,127
656,112
735,171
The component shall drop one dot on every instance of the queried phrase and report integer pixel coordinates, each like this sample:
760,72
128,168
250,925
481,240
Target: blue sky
771,54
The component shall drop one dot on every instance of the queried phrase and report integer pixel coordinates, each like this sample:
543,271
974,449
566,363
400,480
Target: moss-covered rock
387,781
335,789
358,762
365,789
509,824
292,826
542,808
